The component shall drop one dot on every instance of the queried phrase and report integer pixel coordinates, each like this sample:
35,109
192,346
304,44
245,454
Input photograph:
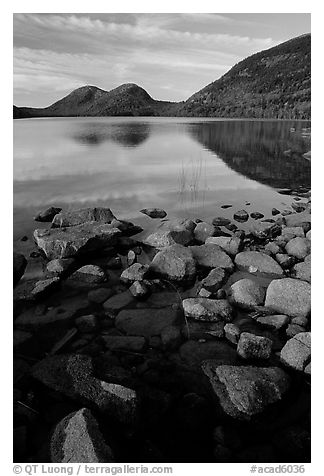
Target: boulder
230,244
78,439
296,353
294,329
277,321
255,262
172,232
203,231
245,391
246,294
19,266
211,310
139,289
154,212
309,235
87,323
293,230
76,240
44,287
232,333
289,296
275,211
145,322
298,247
272,248
83,215
72,375
285,261
241,216
256,215
48,214
59,267
135,272
211,256
263,230
302,271
127,228
221,221
175,263
90,273
214,280
251,346
298,219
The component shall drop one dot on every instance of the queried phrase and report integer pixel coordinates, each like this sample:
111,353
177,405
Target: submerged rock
211,310
211,256
19,266
296,353
256,215
246,294
241,216
76,240
83,215
245,391
48,214
257,262
289,296
145,322
251,346
175,263
78,439
221,221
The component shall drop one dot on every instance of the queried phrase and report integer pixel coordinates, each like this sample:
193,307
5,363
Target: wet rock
83,215
131,257
275,211
308,369
296,353
136,272
65,243
231,227
277,321
294,329
241,216
154,212
139,290
289,296
204,293
48,214
299,207
119,301
214,280
244,391
171,337
59,267
293,230
44,287
229,244
298,247
194,353
226,206
172,232
203,231
220,294
263,230
300,321
127,228
251,346
145,322
297,219
273,248
256,262
211,256
256,215
128,343
175,263
232,333
285,261
221,221
309,235
86,323
90,273
77,439
73,376
99,295
302,271
210,310
246,294
114,263
202,329
19,266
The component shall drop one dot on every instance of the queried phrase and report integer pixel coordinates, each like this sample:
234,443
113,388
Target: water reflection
268,152
126,135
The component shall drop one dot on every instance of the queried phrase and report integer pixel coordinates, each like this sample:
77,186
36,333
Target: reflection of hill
128,135
263,151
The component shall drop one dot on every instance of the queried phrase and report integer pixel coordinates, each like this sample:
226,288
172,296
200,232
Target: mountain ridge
273,83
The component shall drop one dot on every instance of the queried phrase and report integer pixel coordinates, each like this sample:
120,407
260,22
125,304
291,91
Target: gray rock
204,293
145,322
302,271
214,280
119,301
300,321
59,266
136,272
129,343
275,211
175,263
154,212
272,247
221,221
293,230
294,329
203,231
308,369
232,333
296,353
289,296
241,216
264,230
44,287
138,289
298,219
131,257
19,266
285,261
230,244
278,321
309,235
255,262
246,294
251,346
77,439
256,215
211,256
172,232
48,214
76,240
244,391
211,310
73,376
86,323
90,273
83,215
298,247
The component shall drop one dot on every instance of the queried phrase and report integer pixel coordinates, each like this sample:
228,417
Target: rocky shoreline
190,345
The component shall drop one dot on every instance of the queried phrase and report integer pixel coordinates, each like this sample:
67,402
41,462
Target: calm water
189,167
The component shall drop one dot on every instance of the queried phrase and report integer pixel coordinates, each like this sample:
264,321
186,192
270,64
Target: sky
171,55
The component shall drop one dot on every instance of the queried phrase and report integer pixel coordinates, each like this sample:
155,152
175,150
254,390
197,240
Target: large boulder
211,256
211,310
298,247
145,322
175,263
170,232
72,375
83,215
76,240
289,296
251,346
230,244
245,391
246,294
78,439
296,353
255,262
19,266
